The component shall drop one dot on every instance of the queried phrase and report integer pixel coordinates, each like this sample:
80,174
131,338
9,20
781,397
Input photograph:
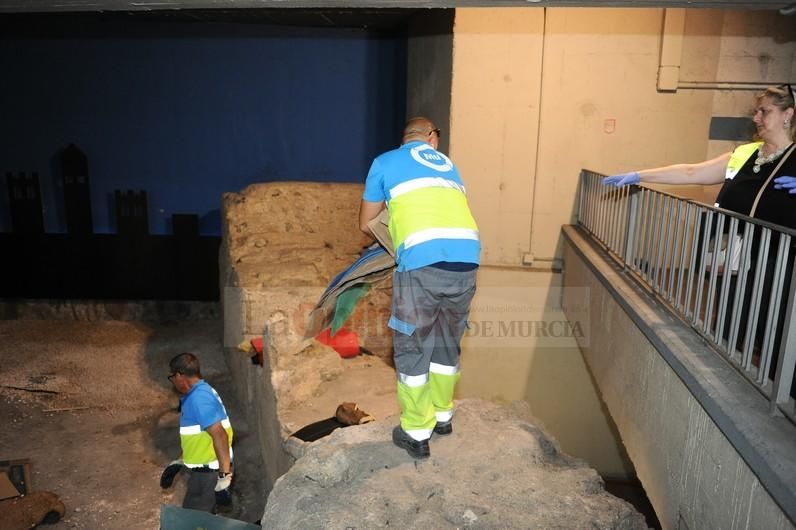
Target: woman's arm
708,172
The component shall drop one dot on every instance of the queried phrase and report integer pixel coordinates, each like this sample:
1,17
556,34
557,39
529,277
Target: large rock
283,242
497,470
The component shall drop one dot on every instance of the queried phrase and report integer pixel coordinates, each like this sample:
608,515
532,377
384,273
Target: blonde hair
781,97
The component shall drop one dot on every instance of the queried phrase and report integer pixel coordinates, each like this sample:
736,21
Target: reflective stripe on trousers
429,313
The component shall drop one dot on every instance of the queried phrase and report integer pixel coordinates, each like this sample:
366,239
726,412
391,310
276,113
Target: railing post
787,351
630,232
581,193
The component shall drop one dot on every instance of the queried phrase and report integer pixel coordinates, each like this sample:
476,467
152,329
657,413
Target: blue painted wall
188,111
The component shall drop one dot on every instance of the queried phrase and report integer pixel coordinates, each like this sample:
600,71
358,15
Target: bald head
421,129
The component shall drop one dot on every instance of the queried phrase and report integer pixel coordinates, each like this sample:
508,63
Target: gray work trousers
429,314
200,494
430,307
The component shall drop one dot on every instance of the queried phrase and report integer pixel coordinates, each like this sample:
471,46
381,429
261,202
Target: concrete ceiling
43,6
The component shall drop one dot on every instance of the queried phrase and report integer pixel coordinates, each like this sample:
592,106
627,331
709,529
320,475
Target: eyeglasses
172,376
435,131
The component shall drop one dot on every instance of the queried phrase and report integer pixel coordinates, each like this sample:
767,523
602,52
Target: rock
497,470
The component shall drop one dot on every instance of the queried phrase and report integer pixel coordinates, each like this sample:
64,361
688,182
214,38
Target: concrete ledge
698,432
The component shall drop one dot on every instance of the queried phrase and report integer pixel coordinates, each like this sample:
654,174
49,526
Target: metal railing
729,276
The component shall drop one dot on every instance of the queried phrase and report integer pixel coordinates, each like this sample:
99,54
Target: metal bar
621,218
740,287
692,267
587,203
754,303
773,309
652,253
616,212
702,266
681,269
581,186
612,213
605,197
727,277
658,242
716,262
597,204
592,205
640,229
650,238
643,230
602,209
652,257
780,394
616,207
673,252
623,206
665,272
632,221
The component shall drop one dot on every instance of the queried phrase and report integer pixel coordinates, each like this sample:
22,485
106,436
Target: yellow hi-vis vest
739,157
201,406
197,445
429,208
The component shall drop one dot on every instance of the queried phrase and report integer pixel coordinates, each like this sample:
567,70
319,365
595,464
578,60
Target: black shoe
443,428
415,448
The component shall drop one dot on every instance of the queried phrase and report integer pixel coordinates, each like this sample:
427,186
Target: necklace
760,160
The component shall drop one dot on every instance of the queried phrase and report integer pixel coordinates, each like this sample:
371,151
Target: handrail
679,249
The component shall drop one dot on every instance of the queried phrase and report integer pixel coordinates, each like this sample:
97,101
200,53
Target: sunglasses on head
788,89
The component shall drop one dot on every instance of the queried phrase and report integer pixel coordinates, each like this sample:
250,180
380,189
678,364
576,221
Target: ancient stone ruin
283,243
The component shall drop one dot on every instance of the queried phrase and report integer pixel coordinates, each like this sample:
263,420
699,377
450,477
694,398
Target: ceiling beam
49,6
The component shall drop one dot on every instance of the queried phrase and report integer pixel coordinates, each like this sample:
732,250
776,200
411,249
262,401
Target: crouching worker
205,437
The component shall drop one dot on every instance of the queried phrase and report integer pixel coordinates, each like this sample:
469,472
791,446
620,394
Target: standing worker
437,254
205,437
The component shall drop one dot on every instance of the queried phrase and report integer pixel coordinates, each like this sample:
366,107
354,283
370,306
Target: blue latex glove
623,179
786,183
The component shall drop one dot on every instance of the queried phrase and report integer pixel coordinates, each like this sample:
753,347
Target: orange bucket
345,342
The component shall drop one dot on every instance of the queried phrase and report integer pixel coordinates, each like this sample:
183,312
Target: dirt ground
89,404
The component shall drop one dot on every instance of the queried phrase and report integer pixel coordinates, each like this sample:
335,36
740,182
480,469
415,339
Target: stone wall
282,244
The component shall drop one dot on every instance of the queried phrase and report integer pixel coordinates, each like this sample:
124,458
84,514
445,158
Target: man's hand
786,183
171,470
623,179
223,495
